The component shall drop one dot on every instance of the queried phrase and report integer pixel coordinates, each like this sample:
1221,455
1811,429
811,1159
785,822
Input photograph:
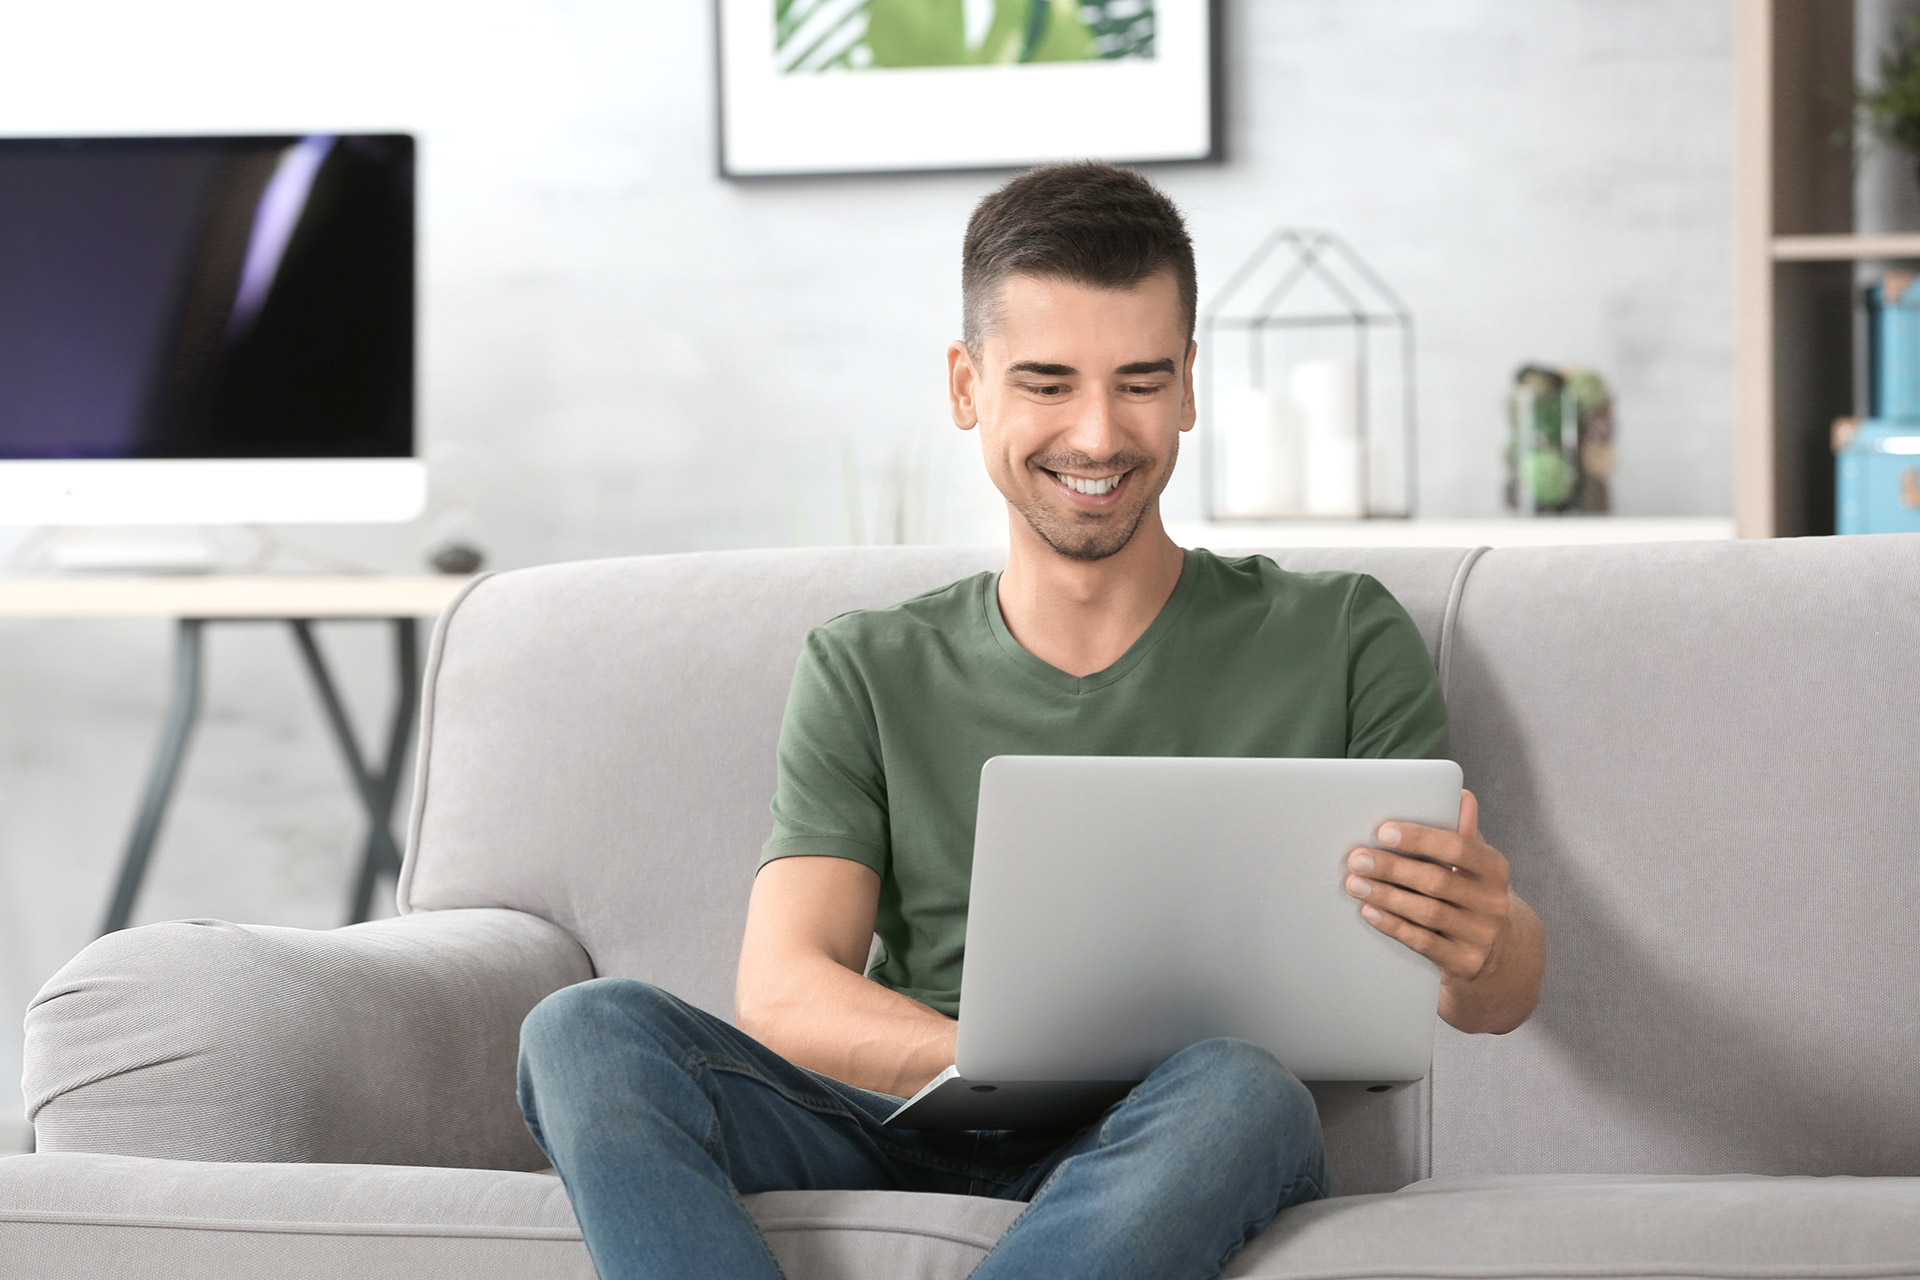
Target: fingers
1471,854
1443,894
1429,911
1450,917
1443,951
1376,876
1461,952
1430,842
1413,873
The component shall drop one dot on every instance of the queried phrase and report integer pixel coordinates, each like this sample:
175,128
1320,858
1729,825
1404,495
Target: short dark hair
1089,222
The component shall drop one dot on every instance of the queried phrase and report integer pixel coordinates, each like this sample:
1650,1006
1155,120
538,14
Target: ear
963,382
1189,410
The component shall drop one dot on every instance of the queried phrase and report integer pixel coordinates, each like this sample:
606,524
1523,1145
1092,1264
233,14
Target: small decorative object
1891,110
1893,346
456,557
1306,371
1560,442
1876,475
875,86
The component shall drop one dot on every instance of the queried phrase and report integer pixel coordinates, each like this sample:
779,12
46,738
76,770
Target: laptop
1125,907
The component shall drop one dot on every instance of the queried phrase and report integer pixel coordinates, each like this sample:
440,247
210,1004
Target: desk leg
380,857
376,793
166,769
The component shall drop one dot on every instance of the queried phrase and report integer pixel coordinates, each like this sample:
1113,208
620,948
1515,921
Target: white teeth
1092,488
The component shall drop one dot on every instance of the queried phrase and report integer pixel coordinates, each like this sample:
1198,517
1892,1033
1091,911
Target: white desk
209,596
194,601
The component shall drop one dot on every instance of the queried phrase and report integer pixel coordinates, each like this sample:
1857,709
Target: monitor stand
110,549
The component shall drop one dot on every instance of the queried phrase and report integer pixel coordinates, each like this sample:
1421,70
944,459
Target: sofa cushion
75,1216
1570,1227
135,1218
65,1217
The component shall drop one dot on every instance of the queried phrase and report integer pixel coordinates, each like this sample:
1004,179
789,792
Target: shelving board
1846,248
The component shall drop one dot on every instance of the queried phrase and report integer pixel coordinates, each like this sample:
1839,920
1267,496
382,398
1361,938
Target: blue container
1893,322
1877,477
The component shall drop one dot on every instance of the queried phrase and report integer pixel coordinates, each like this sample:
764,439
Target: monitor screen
230,297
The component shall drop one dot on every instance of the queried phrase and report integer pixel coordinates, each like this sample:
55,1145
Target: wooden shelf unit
1796,257
1794,253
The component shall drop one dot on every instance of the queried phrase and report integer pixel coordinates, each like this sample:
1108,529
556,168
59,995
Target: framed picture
888,86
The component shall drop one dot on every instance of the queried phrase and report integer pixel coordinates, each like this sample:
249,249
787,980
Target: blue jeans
659,1116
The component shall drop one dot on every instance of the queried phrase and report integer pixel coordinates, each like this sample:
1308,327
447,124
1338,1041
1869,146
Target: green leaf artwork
858,35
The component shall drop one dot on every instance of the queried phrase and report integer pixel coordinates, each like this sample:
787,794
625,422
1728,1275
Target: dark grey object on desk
456,557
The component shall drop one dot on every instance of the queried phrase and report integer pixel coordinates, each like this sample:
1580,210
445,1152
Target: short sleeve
1394,707
830,798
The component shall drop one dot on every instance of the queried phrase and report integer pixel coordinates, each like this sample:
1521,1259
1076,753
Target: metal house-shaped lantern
1306,366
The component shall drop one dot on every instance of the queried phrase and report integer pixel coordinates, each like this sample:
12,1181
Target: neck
1082,615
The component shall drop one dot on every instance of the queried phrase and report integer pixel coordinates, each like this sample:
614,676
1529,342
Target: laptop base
951,1101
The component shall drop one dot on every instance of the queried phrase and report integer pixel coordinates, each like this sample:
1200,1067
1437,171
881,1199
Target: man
1100,637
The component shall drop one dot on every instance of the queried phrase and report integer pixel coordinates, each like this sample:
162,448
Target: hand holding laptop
1446,895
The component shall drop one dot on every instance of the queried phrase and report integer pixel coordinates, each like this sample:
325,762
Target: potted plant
1891,110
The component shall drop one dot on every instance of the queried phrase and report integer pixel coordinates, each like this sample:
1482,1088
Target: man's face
1077,387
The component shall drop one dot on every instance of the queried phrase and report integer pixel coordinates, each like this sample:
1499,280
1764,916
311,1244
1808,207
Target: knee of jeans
1264,1119
578,1018
1248,1083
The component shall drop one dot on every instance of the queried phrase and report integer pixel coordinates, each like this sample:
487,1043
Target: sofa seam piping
562,1235
1449,618
436,650
450,1230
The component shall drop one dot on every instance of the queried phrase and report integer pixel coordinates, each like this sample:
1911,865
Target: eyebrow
1163,365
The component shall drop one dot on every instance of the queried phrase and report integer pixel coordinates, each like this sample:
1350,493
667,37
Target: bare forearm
827,1018
1505,992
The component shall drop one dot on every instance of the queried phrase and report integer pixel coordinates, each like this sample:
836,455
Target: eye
1047,390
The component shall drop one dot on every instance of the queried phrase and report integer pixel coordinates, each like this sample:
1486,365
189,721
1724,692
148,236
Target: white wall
624,354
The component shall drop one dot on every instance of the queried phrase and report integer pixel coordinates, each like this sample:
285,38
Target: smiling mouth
1086,487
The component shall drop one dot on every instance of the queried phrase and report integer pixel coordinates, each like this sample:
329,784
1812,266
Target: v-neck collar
1053,676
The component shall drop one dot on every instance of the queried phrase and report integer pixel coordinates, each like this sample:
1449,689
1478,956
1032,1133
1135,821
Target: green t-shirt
893,711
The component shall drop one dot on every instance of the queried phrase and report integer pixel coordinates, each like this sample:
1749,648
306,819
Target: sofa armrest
392,1042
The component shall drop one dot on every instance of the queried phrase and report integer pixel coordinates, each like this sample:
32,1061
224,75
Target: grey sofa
1700,758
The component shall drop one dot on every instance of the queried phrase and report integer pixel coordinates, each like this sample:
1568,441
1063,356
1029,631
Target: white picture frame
906,119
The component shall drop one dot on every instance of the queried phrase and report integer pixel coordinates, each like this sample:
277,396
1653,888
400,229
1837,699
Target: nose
1094,433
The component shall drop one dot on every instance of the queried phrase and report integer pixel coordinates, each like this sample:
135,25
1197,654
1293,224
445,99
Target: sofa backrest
1701,759
598,749
1698,757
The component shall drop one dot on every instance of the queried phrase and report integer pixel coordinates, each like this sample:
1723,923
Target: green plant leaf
916,33
932,33
1062,36
1891,110
1553,477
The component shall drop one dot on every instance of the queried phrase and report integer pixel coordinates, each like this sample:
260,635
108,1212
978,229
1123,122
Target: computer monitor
207,330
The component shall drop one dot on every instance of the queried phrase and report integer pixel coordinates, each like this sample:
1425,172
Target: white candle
1259,438
1325,393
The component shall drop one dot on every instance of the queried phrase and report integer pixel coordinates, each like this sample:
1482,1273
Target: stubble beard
1084,536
